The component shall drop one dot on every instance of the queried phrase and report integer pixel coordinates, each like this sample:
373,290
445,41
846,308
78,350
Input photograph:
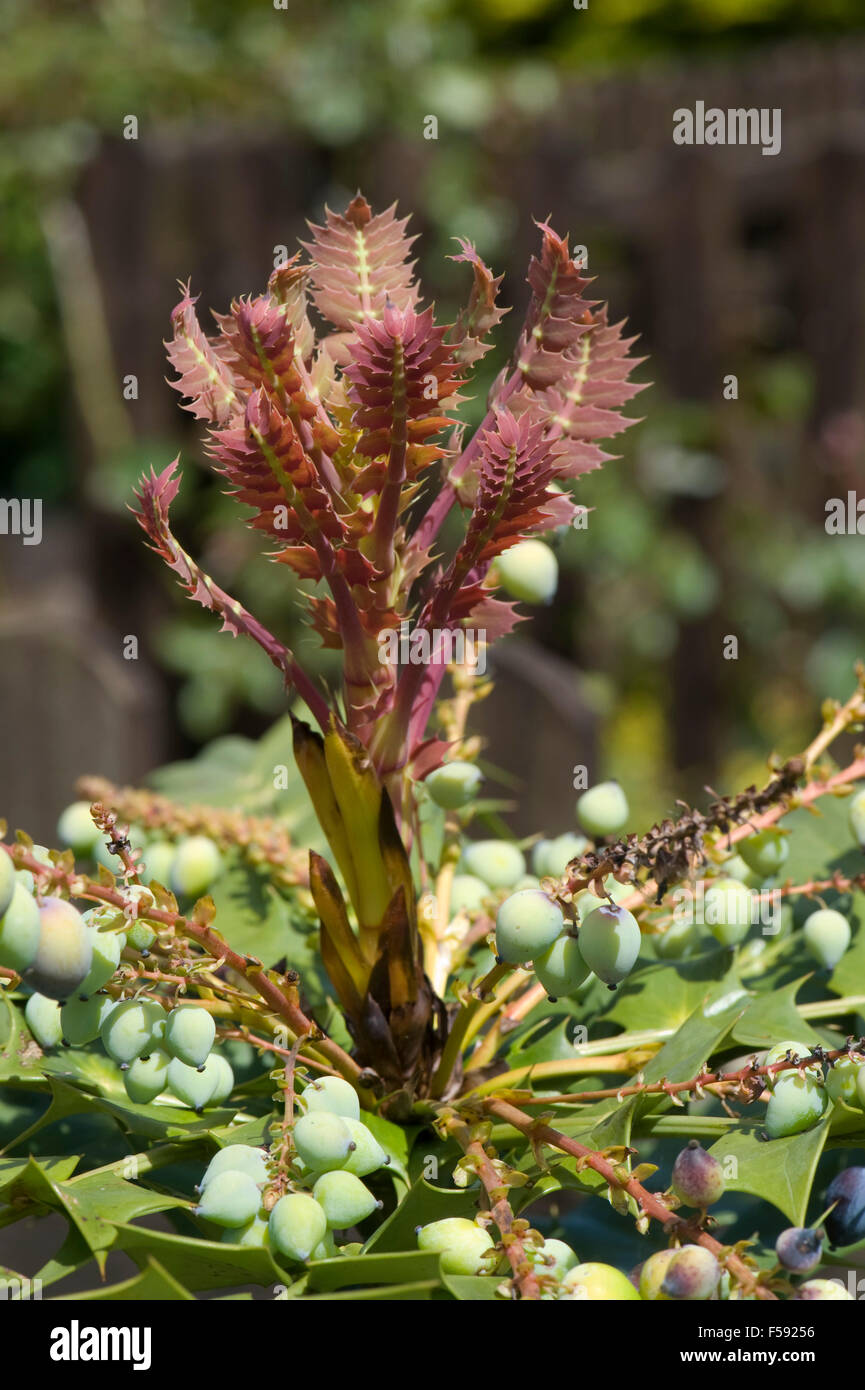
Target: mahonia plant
342,1026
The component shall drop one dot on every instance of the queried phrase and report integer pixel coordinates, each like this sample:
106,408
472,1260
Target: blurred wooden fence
711,251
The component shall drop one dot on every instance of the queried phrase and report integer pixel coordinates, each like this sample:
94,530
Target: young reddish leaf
359,262
203,375
481,315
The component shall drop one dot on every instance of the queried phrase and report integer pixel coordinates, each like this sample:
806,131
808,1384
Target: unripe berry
7,882
65,951
823,1289
344,1199
461,1244
367,1155
43,1020
610,943
597,1283
539,857
558,853
845,1225
467,893
856,816
842,1081
799,1249
587,901
76,829
797,1103
652,1275
255,1234
103,855
130,1030
528,571
497,862
230,1199
691,1275
603,809
698,1178
189,1034
141,936
681,937
727,910
766,852
193,1087
561,969
24,876
106,946
20,927
527,923
219,1068
237,1158
779,1053
323,1141
454,784
297,1225
82,1019
333,1095
147,1076
555,1258
158,861
196,864
326,1249
827,935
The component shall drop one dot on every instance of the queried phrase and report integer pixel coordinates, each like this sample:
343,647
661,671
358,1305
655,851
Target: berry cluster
332,1151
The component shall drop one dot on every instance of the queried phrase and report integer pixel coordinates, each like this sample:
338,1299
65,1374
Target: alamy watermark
699,906
438,646
22,516
735,126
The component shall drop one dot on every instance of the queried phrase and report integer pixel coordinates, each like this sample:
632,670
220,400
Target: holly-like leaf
204,376
359,263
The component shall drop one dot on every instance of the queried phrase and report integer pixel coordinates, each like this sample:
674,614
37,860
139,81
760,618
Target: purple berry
698,1178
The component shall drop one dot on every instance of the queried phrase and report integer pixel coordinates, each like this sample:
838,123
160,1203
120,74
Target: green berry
76,829
43,1020
255,1234
555,1258
103,855
610,943
24,876
822,1289
454,784
827,936
344,1199
82,1019
856,816
797,1103
559,853
197,863
333,1095
680,938
107,946
65,951
230,1199
20,927
461,1244
7,881
467,893
158,862
219,1068
603,809
497,862
779,1052
131,1030
297,1225
141,937
597,1283
561,969
766,852
539,857
147,1077
323,1141
189,1034
652,1275
237,1158
368,1154
193,1087
587,901
727,910
528,571
527,923
326,1249
842,1080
